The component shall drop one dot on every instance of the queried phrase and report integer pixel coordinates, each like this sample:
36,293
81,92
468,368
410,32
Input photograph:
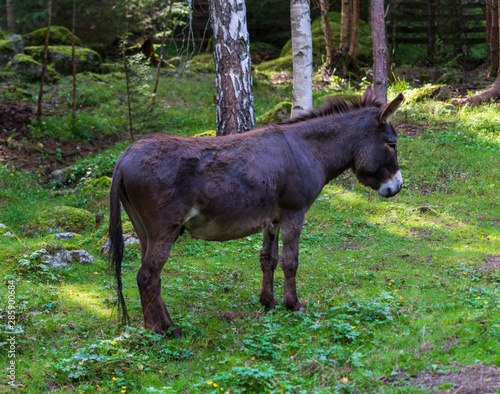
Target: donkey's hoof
295,307
269,303
174,332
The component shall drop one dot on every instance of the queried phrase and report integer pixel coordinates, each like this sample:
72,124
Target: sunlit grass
391,286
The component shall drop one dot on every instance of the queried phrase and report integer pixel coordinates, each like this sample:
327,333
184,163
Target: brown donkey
229,187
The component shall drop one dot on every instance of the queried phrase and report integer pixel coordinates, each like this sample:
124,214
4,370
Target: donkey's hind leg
156,316
268,257
291,225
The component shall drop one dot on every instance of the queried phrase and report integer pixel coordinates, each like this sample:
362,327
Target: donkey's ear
368,95
391,108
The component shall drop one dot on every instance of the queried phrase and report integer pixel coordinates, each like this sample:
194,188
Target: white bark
233,78
302,56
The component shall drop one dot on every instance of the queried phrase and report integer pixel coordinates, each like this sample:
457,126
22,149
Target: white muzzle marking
392,186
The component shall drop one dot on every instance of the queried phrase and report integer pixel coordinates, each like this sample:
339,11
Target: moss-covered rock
9,48
424,93
61,218
281,111
7,233
283,63
25,65
203,63
364,50
59,35
61,57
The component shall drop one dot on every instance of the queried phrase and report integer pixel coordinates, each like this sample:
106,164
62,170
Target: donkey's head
376,162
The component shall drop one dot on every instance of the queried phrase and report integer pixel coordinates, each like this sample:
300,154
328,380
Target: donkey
223,188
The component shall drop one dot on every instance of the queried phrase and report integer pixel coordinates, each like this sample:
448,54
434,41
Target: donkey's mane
336,105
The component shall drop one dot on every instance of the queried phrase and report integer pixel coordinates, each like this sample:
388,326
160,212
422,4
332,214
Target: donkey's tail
116,239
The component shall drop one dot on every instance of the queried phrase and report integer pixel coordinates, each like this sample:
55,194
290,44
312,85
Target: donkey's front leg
291,224
268,257
156,316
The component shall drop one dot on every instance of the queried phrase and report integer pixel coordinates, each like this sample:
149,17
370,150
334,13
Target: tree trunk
478,99
344,34
330,49
44,62
10,16
493,43
300,18
379,50
345,24
353,46
158,67
233,78
431,31
498,41
73,59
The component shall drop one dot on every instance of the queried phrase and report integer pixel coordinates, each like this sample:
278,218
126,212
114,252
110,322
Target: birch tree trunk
302,56
379,50
10,15
233,78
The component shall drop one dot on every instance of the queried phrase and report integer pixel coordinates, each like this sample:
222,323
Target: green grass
392,288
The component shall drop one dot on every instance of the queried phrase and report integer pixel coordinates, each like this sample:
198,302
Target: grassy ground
401,294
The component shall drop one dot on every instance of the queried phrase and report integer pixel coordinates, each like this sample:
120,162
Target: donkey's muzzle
392,186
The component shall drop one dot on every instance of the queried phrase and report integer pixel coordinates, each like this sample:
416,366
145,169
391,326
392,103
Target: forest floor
402,295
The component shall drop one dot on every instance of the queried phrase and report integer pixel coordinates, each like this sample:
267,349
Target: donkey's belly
211,229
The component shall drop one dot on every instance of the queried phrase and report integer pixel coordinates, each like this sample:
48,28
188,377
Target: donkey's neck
334,140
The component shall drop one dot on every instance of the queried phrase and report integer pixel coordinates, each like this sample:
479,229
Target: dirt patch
21,151
474,379
352,245
230,316
405,128
450,344
420,232
491,263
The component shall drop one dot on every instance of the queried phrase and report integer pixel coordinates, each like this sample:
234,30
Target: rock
62,218
281,111
128,239
62,258
64,236
59,260
59,35
60,175
16,43
99,218
6,232
61,57
10,48
444,94
80,256
26,65
424,93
